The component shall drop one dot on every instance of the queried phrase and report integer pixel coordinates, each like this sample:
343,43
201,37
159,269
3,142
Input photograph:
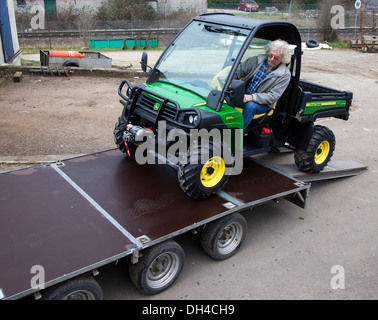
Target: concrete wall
161,5
60,3
198,6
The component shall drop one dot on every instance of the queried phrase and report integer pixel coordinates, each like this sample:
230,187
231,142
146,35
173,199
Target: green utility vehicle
191,90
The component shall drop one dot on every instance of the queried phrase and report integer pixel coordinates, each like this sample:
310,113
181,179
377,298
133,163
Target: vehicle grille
147,103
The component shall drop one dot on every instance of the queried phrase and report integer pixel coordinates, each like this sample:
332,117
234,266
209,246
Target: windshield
201,53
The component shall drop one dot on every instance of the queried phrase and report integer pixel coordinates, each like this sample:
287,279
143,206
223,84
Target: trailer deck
78,214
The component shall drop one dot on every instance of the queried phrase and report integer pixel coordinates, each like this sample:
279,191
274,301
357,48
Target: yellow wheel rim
212,172
322,152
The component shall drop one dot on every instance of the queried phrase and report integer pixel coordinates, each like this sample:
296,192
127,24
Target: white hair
281,46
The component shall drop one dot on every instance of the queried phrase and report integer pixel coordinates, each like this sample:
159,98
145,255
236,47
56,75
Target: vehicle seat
217,83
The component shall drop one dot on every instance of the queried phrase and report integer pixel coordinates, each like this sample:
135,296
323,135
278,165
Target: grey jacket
272,87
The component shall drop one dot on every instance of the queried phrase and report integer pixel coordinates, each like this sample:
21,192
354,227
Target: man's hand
247,98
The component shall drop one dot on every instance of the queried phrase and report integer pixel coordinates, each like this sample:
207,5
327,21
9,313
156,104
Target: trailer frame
135,221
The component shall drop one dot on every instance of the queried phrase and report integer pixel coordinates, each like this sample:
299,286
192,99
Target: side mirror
234,96
212,100
143,62
235,93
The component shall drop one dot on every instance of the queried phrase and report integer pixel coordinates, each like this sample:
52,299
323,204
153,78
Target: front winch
134,134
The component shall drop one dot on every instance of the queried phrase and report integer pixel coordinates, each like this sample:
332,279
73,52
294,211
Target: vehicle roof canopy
270,30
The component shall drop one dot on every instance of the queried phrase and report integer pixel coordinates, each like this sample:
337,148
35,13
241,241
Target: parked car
248,5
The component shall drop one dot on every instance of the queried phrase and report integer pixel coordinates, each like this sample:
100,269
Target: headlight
193,120
190,118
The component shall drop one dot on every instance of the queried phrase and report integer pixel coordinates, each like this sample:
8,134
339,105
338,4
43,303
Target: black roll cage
269,30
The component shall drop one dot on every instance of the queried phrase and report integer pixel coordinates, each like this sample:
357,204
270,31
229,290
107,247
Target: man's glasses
276,58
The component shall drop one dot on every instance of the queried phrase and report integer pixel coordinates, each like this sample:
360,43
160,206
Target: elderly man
266,77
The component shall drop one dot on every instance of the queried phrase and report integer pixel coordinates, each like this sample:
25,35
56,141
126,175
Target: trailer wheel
319,151
158,268
80,288
206,171
71,64
222,238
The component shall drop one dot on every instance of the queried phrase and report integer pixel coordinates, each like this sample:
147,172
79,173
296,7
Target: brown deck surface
45,221
147,200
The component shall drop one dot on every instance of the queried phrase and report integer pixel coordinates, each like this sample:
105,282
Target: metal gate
5,31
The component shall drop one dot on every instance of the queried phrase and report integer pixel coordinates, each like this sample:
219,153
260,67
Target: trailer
82,59
61,221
